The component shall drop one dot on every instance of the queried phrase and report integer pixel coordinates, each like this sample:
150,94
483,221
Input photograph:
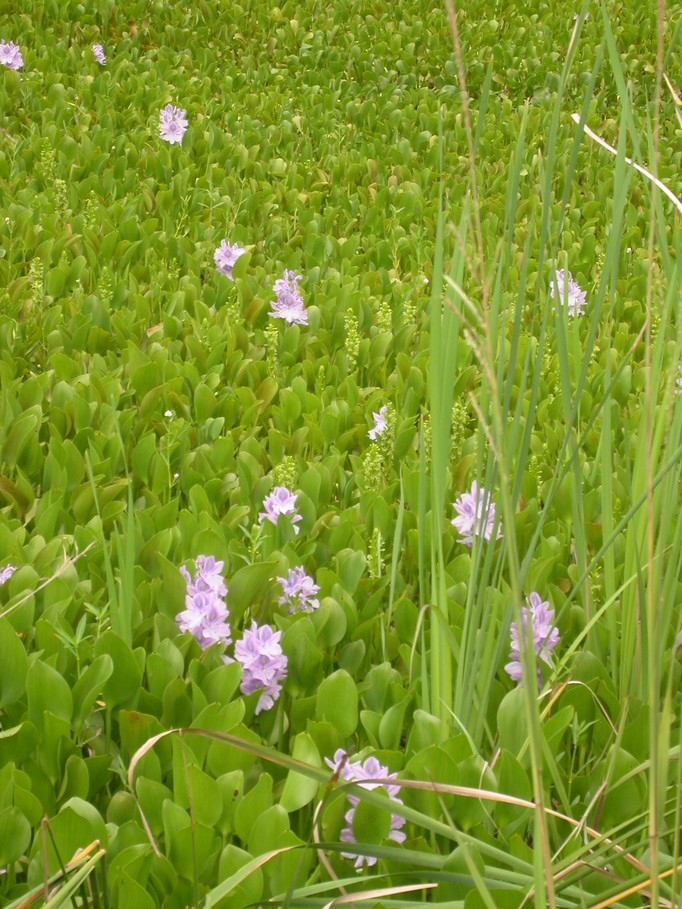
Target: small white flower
572,295
380,423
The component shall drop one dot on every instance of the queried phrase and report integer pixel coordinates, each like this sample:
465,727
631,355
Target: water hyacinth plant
10,55
298,591
366,774
569,293
358,719
281,502
173,124
205,614
380,423
6,573
539,631
264,666
289,304
226,256
475,516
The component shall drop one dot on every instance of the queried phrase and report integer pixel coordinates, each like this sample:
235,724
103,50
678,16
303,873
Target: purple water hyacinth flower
281,501
173,124
380,423
365,775
205,615
6,573
299,591
264,666
576,297
475,515
226,256
540,615
98,51
289,304
10,55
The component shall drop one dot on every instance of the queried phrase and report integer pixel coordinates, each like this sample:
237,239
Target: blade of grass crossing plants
608,280
126,557
440,406
608,275
108,569
70,888
395,555
225,887
125,550
421,543
71,883
544,889
577,144
546,309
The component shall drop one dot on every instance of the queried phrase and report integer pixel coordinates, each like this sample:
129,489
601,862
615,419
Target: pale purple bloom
264,666
205,615
289,303
364,775
98,51
545,636
475,515
576,296
299,591
678,381
226,256
280,502
10,55
380,423
6,573
173,124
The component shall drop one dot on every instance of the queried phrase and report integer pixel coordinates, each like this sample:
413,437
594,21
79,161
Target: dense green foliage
149,404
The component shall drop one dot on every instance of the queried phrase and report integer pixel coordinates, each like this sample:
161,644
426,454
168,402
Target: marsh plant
340,455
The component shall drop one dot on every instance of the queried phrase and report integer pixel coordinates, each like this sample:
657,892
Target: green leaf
15,835
123,685
337,702
299,790
371,824
253,804
47,692
14,665
511,721
89,686
241,880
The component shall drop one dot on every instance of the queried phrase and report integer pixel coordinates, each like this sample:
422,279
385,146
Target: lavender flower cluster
226,256
380,423
545,636
569,292
281,502
299,591
205,615
475,515
10,55
264,666
173,124
365,775
289,303
6,573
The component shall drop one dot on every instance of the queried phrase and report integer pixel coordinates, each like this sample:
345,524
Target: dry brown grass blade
73,864
636,888
377,893
638,167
